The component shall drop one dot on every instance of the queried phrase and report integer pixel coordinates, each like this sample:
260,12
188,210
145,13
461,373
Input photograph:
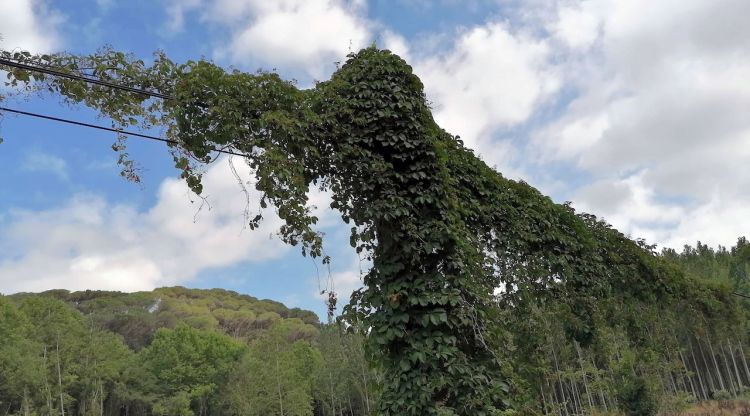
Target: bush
722,395
637,398
676,403
178,405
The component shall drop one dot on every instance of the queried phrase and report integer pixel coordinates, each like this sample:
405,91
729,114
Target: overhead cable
87,79
94,126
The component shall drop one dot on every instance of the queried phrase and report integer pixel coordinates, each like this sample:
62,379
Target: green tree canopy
276,376
189,363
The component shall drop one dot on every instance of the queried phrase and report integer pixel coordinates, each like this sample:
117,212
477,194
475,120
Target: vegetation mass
175,351
584,318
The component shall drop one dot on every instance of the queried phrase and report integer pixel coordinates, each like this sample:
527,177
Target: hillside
137,316
174,351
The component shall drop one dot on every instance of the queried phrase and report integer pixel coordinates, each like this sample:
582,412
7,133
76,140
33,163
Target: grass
737,407
730,407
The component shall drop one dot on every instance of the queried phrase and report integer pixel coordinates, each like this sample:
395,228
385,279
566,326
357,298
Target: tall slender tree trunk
744,362
698,371
333,397
687,374
366,388
563,398
577,405
278,381
678,383
544,400
671,382
554,407
101,398
59,376
583,373
613,397
716,364
26,405
559,379
740,384
47,388
707,367
730,376
556,398
597,379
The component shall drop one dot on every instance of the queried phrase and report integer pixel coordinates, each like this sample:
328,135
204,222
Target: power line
90,80
94,126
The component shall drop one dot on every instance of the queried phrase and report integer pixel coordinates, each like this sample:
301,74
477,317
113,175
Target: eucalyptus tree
275,377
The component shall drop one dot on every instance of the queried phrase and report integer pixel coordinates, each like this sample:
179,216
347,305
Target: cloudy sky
634,110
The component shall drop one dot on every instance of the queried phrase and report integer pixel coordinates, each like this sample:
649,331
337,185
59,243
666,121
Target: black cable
91,80
94,126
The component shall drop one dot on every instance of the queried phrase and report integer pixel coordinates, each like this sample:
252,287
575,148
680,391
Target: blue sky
634,110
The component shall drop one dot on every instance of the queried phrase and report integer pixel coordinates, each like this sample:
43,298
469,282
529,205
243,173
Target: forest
178,351
175,351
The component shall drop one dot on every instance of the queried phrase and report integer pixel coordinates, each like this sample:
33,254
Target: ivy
442,229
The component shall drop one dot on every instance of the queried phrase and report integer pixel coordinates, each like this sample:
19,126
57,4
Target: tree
345,382
276,376
55,361
104,358
189,366
21,371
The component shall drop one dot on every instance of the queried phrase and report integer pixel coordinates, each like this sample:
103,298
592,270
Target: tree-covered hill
137,316
174,351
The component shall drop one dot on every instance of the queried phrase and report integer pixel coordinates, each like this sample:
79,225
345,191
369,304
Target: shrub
637,398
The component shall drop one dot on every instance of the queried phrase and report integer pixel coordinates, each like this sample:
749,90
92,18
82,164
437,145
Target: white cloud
491,78
632,206
661,91
38,161
89,243
29,25
301,35
105,4
719,221
176,11
396,44
576,27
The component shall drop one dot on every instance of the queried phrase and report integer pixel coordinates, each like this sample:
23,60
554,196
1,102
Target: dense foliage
648,353
442,229
192,352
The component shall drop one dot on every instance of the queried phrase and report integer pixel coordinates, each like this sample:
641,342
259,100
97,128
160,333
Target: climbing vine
442,229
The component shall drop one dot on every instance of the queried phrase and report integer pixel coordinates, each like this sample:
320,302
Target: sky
634,110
